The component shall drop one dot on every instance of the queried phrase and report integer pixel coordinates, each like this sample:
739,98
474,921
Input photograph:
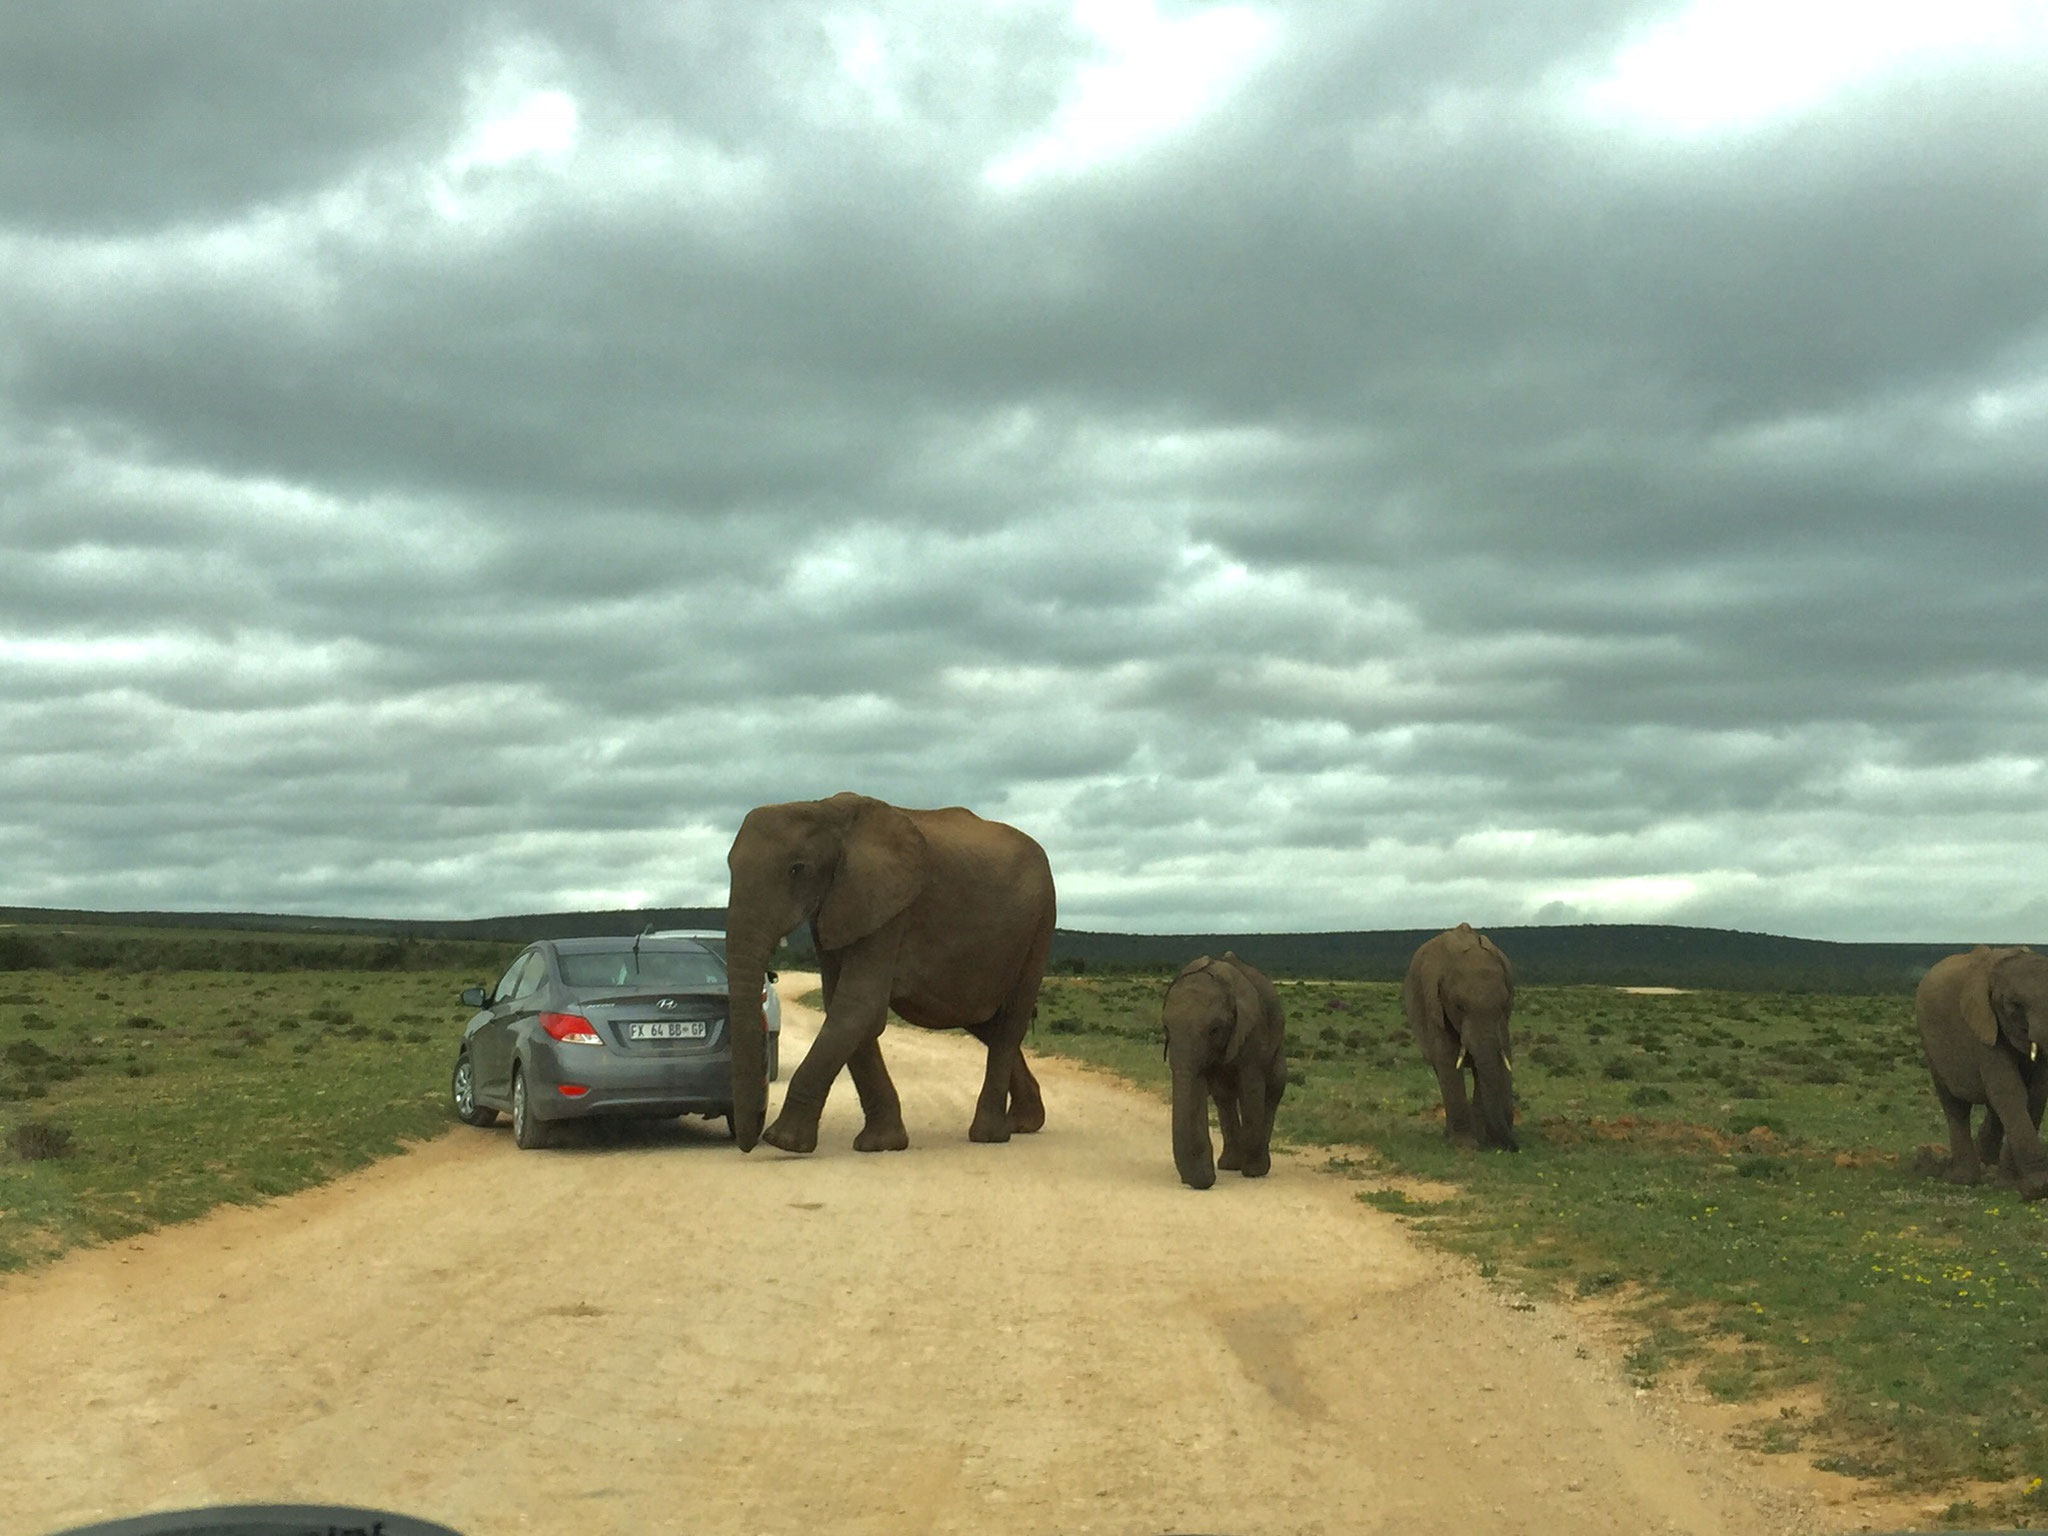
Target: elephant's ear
1199,963
1244,999
883,864
1974,998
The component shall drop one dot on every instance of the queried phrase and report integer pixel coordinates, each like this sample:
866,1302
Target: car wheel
528,1129
462,1089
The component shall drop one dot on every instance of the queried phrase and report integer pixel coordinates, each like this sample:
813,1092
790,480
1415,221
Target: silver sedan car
579,1028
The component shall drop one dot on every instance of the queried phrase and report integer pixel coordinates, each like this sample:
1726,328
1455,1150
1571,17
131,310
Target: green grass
1740,1175
187,1090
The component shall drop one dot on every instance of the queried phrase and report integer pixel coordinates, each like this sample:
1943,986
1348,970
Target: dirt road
658,1334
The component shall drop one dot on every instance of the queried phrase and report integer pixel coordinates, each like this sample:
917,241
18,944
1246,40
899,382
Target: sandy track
1047,1336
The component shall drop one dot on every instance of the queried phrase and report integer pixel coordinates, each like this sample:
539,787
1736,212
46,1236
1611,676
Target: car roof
584,946
687,933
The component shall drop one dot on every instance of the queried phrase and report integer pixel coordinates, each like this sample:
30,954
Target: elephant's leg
1258,1120
1990,1136
1005,1046
2037,1099
1005,1039
1276,1085
879,1104
2010,1098
1450,1081
1027,1104
1225,1089
1963,1167
854,1018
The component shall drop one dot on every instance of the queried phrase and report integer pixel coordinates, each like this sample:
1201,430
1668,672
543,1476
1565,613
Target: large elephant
1226,1038
939,915
1983,1023
1458,995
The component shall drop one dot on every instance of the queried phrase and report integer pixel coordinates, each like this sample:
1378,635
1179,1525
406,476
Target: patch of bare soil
652,1332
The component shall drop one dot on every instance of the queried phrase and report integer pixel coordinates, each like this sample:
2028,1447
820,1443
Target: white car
713,939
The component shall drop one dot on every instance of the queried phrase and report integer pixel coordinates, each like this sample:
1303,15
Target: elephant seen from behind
1458,995
1226,1039
1983,1022
937,915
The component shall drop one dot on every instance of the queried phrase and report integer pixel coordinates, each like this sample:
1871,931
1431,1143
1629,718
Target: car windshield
650,967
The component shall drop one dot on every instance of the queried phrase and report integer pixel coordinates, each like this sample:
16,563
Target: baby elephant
1458,995
1226,1038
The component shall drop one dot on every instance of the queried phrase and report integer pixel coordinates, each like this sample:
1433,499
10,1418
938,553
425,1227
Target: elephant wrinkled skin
939,916
1983,1025
1458,995
1226,1038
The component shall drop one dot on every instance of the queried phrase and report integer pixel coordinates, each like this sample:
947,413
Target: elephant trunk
746,965
1495,1092
1192,1153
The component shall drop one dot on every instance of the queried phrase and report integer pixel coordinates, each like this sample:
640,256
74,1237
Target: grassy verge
1739,1176
132,1099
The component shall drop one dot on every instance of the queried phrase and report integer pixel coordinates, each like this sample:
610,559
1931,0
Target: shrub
27,1054
37,1141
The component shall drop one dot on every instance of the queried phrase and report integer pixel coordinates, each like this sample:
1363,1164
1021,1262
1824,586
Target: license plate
667,1029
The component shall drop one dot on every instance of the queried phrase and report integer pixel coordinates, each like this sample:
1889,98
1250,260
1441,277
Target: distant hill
1599,954
520,929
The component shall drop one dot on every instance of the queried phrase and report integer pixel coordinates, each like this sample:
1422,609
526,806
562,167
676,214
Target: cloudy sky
1311,465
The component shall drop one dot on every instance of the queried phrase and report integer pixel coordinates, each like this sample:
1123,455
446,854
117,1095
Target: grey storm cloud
1311,466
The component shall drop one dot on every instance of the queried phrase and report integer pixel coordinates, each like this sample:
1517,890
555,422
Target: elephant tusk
1461,1060
1509,1063
2033,1050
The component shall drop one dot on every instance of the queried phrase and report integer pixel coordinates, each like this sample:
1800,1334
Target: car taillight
570,1028
572,1090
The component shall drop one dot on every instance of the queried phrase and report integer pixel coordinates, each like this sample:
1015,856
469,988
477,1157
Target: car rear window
651,967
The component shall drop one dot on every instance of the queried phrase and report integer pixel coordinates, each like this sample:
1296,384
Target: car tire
462,1092
528,1129
775,1057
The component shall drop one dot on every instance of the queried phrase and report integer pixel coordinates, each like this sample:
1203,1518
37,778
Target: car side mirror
475,997
772,976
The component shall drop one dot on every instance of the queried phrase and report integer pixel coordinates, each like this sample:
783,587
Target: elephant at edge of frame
1983,1020
1226,1039
1458,995
938,915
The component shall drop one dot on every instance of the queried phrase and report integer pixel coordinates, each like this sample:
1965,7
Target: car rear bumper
658,1085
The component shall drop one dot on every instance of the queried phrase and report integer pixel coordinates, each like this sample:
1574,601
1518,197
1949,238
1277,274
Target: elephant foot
1231,1160
2034,1186
1507,1144
1257,1165
1027,1118
791,1138
890,1137
1464,1141
989,1130
1962,1173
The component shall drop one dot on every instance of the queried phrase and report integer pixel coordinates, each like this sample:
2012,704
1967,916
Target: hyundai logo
666,1002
